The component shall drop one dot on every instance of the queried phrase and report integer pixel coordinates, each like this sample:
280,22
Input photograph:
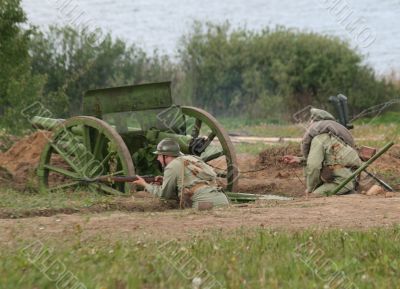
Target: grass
254,149
254,258
13,200
389,117
14,204
369,135
374,132
262,128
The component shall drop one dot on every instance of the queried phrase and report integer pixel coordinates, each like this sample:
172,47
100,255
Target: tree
73,65
18,87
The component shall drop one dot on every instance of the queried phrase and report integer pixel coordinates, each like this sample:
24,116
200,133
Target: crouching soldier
329,154
186,179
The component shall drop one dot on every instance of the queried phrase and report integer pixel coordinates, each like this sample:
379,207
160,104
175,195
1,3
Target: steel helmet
168,147
319,114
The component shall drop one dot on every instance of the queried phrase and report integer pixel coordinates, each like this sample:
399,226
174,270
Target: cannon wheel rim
105,132
224,139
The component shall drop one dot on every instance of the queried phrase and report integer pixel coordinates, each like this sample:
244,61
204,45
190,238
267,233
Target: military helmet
319,114
168,147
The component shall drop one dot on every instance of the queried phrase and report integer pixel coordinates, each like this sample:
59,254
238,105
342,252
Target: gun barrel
46,122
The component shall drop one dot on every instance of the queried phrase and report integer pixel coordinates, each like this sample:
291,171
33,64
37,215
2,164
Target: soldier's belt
335,167
187,194
197,186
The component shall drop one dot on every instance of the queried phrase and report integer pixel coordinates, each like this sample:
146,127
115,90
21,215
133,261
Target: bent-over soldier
187,179
329,153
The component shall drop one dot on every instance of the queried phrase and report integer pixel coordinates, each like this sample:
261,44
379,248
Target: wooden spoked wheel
81,149
214,147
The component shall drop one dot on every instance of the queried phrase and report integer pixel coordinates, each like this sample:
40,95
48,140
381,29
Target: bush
274,72
73,65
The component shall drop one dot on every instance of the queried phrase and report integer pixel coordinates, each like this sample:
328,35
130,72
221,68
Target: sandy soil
346,212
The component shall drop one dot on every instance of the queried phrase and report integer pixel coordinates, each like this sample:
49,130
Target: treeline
275,72
229,72
58,65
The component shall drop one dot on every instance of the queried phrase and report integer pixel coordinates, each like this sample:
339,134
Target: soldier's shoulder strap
199,168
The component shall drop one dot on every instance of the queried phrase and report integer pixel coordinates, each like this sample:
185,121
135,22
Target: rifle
120,179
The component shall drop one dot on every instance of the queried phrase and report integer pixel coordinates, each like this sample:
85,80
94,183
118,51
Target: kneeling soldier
329,153
186,179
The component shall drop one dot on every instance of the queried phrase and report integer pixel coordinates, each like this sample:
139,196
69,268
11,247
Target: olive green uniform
188,177
329,151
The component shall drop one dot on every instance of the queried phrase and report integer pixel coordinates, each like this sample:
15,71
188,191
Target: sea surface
371,26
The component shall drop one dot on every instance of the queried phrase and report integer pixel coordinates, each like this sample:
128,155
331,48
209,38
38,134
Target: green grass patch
376,134
243,259
372,132
246,148
386,118
234,122
13,200
384,124
261,127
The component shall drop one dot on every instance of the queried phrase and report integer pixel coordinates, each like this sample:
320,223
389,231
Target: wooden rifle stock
123,179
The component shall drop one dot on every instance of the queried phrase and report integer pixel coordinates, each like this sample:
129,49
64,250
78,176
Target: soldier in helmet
186,179
329,153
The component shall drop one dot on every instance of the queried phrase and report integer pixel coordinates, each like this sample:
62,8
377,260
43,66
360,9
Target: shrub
73,65
274,72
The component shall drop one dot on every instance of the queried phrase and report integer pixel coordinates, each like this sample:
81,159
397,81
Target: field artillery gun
119,131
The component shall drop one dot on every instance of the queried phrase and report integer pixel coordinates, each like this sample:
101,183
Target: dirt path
353,211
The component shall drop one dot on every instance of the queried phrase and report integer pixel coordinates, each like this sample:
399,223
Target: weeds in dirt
6,140
255,258
17,200
14,204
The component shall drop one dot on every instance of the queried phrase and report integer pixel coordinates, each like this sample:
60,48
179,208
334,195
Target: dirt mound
22,158
267,174
273,155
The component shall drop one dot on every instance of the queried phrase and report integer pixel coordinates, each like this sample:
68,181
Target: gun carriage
117,134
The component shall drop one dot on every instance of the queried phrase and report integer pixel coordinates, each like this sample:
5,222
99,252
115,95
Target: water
156,24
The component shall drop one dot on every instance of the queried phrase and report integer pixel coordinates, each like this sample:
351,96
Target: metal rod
381,182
